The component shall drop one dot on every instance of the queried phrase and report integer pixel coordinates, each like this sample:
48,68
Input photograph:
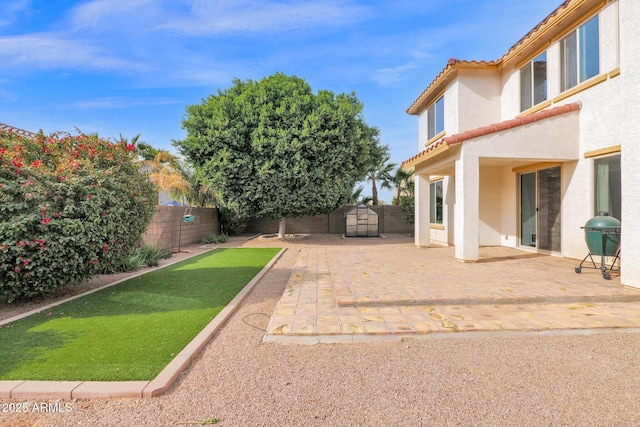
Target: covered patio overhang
548,136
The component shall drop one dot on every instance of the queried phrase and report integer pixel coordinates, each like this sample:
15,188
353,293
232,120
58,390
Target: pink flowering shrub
70,207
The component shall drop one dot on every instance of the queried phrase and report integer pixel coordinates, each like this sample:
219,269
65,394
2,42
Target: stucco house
523,150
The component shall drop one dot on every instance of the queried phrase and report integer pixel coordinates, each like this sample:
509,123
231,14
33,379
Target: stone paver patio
356,292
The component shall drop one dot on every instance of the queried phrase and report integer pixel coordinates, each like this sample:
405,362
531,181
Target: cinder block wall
169,231
390,220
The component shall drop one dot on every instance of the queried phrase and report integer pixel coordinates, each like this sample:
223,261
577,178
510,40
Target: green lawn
132,330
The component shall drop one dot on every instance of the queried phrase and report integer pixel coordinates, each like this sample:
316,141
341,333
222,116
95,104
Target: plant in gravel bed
215,238
70,207
129,331
151,255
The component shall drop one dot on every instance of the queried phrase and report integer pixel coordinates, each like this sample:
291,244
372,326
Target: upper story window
435,118
533,82
580,54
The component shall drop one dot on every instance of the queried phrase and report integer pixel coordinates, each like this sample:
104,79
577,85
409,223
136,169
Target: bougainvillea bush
71,206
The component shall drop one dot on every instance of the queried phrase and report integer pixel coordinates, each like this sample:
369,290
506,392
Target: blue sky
132,66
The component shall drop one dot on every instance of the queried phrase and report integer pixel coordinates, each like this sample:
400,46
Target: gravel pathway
484,380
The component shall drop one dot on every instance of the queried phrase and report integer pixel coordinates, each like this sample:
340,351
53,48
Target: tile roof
18,131
565,14
556,13
496,127
452,64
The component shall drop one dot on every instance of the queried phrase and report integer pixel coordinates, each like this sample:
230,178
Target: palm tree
167,174
380,170
401,181
201,193
165,169
357,198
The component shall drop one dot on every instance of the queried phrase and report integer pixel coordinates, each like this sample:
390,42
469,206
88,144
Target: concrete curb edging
171,372
18,389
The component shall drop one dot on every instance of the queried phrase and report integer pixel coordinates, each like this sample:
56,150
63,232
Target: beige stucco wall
609,59
450,116
508,207
576,206
490,227
478,98
605,120
452,108
629,137
422,130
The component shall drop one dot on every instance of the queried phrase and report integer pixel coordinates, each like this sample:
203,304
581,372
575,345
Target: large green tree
273,148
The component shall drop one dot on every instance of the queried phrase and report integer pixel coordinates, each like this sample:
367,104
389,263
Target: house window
533,82
580,54
606,182
435,200
435,118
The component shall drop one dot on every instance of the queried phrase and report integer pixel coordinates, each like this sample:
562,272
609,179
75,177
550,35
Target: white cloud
53,50
225,16
11,10
213,17
120,102
7,95
388,76
105,15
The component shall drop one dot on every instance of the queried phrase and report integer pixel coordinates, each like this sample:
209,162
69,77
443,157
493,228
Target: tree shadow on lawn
19,345
141,323
188,285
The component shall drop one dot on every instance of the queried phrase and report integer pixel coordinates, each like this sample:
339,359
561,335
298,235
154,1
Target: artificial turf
132,330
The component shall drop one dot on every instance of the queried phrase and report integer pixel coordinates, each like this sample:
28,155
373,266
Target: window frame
577,61
529,71
434,209
435,118
597,203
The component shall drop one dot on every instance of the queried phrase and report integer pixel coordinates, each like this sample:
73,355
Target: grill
602,235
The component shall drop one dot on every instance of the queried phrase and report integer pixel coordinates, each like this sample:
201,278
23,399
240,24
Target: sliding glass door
540,213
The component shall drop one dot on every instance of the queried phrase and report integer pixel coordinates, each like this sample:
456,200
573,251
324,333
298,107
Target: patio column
466,209
422,223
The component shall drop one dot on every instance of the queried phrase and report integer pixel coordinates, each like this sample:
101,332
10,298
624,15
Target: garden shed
361,221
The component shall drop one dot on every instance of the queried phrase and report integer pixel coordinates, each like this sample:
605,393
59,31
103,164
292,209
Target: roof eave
553,26
445,75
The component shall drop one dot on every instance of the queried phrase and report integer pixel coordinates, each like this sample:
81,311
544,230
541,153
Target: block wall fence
169,231
390,220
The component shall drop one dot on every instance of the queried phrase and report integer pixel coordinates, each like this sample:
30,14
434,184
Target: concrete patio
375,289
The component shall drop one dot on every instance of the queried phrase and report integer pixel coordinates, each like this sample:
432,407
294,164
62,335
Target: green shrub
151,255
231,222
131,262
407,204
143,256
215,238
70,207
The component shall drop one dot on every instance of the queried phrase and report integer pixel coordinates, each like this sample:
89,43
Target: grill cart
602,234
